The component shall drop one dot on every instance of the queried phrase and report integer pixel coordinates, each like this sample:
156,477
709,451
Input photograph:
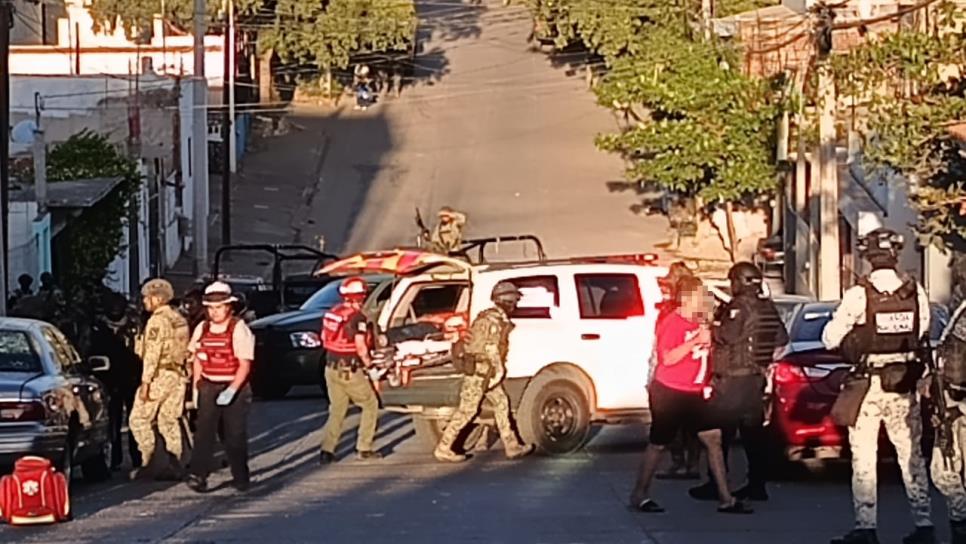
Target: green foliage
903,81
324,33
328,34
94,237
702,128
708,130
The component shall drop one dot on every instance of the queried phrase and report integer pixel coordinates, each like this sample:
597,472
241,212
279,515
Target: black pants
685,450
743,413
234,418
119,408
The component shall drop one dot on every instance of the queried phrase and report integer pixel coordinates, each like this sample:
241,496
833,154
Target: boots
857,536
519,451
752,492
447,455
958,531
922,535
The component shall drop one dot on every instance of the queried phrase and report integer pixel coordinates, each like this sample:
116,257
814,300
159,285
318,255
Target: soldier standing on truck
447,235
482,358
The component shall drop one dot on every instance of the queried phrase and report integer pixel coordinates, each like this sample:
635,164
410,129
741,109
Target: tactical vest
335,336
891,320
762,331
216,352
952,348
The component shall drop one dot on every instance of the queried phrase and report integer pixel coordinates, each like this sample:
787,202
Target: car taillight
789,373
22,411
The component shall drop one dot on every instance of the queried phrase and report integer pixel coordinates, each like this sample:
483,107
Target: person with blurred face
223,348
678,395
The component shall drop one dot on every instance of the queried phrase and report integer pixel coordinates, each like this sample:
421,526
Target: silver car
50,402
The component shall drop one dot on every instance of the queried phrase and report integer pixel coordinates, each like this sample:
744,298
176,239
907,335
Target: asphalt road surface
409,498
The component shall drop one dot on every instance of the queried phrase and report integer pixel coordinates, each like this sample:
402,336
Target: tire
270,391
554,415
98,468
430,430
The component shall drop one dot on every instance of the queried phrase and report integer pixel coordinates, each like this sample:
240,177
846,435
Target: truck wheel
429,430
270,391
554,415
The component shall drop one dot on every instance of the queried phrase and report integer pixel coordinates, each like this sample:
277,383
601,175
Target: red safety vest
336,339
216,352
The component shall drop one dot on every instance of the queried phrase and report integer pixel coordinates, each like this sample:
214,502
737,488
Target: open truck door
286,291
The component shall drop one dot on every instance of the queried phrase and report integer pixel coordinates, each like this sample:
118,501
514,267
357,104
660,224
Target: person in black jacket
745,333
112,336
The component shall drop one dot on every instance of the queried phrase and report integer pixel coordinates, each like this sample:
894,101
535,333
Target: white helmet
218,292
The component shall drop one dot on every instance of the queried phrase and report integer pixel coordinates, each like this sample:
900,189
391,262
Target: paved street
410,498
489,127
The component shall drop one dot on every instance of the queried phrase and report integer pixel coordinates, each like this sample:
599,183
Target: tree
909,89
699,127
95,237
324,34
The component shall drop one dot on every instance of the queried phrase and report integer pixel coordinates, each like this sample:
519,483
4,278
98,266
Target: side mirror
98,363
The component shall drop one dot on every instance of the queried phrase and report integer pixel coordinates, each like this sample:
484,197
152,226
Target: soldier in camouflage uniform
163,348
447,236
483,360
948,459
880,324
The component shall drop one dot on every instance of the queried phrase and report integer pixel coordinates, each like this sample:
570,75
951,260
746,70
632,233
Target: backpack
34,494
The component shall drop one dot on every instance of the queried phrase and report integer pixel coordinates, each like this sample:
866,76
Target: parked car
770,255
583,333
51,404
288,349
807,379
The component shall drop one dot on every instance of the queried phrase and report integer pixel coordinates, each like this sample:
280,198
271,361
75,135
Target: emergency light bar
631,258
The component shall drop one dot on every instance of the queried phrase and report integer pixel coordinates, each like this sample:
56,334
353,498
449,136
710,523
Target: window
16,353
540,293
608,296
428,301
64,354
436,299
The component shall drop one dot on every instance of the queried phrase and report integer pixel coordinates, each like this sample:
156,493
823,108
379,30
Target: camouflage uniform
948,474
900,412
447,237
163,348
903,423
488,345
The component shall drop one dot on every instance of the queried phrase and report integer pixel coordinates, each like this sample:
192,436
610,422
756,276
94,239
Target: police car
579,354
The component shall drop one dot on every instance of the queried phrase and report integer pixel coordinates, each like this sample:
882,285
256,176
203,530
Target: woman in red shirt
678,395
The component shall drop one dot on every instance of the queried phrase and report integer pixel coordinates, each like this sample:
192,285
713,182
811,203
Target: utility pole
6,21
232,148
226,132
829,261
199,145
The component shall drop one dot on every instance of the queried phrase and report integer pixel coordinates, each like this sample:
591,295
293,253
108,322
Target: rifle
941,417
421,225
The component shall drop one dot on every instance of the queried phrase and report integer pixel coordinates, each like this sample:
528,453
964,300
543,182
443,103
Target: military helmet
880,242
745,278
446,211
505,291
160,288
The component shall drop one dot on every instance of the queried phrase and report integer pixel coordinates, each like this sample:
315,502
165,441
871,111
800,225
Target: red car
806,380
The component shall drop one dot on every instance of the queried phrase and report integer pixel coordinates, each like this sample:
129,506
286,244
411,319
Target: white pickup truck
579,354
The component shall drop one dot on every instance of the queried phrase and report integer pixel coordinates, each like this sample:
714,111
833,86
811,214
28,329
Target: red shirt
691,373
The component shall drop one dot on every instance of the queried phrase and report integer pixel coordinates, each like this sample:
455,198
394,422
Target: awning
398,262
